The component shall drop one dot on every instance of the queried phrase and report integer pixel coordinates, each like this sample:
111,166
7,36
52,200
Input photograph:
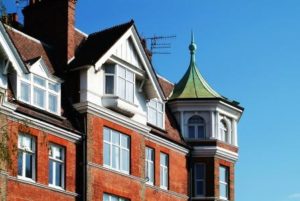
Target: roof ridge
131,22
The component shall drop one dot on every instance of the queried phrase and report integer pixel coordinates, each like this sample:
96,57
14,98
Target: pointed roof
97,44
192,84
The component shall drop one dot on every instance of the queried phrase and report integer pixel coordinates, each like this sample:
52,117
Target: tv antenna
156,43
2,10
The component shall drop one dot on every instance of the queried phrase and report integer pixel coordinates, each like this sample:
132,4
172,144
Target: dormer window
224,134
156,113
40,92
119,81
196,127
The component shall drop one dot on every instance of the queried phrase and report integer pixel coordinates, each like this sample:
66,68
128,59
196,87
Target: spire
193,48
192,84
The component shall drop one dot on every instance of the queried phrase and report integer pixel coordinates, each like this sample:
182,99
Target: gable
127,52
40,68
129,49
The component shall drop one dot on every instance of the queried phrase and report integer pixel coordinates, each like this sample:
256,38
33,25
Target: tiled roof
30,48
166,86
97,44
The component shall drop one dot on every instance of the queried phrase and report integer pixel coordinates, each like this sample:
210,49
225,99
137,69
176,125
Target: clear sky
248,50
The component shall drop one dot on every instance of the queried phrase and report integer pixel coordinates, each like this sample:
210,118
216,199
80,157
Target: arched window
223,131
196,127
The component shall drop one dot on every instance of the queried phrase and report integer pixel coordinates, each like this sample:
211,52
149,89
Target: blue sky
248,51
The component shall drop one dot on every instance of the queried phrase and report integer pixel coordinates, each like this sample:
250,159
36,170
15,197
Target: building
85,117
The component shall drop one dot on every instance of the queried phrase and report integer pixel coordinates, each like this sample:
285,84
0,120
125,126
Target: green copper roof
193,85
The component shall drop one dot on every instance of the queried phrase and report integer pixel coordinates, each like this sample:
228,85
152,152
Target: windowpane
53,86
223,182
28,158
109,84
122,72
160,120
199,188
39,97
58,176
25,92
152,115
199,171
39,81
164,166
149,164
129,91
106,135
201,133
129,76
107,154
110,69
125,141
125,160
115,138
121,88
53,103
20,163
50,172
191,132
115,157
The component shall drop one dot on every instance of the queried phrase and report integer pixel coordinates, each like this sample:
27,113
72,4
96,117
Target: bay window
116,150
56,166
26,157
40,92
156,112
119,81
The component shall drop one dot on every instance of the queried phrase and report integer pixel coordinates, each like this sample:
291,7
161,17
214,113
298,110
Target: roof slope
30,49
192,84
97,44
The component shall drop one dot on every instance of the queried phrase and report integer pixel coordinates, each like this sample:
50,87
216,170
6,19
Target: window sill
119,105
57,187
26,179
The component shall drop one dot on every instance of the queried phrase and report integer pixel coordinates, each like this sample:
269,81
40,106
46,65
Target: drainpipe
84,160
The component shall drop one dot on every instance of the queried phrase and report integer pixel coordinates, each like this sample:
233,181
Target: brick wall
103,180
18,190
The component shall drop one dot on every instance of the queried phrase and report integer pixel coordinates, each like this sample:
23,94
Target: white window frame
120,147
52,149
225,183
110,197
157,112
116,77
46,89
149,162
164,172
195,127
199,180
27,151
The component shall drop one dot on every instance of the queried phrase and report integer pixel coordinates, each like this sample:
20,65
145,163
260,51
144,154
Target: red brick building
85,117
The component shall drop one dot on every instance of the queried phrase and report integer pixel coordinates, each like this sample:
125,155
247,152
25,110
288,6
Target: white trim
81,32
128,123
210,151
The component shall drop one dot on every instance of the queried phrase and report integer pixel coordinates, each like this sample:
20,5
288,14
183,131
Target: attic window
156,113
40,92
119,81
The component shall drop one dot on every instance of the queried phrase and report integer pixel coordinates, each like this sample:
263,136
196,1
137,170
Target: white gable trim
10,51
40,63
142,55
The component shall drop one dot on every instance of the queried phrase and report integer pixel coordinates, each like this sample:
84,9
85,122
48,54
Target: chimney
53,22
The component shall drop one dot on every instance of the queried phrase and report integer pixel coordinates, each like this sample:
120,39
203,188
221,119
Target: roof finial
192,48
